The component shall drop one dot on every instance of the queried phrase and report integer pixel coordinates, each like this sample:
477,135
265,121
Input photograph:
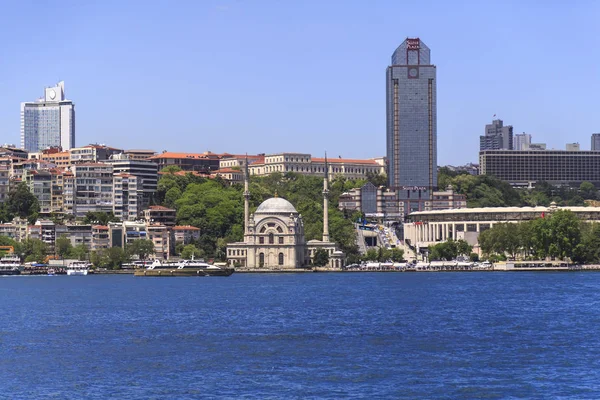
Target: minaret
246,196
326,202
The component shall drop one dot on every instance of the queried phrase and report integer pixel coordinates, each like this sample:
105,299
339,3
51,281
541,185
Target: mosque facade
274,236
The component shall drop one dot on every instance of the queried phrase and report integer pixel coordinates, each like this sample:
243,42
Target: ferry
184,268
10,265
78,268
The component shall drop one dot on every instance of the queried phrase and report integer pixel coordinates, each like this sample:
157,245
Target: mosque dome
276,205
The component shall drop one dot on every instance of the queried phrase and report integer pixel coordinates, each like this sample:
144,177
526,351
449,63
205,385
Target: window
261,240
271,238
280,258
261,260
280,239
263,229
279,229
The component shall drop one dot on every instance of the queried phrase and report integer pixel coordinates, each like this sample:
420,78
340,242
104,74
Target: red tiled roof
100,227
160,208
345,161
169,154
226,171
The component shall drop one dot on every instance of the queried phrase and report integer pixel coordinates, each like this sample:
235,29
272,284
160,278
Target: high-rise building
412,122
48,121
497,137
595,141
521,141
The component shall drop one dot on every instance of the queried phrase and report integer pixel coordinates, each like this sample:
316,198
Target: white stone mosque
274,235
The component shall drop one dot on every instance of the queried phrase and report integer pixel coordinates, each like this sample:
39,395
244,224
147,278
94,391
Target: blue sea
302,336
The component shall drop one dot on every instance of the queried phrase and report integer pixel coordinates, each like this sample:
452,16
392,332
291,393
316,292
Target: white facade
49,121
521,141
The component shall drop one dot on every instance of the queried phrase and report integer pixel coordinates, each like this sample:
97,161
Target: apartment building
93,188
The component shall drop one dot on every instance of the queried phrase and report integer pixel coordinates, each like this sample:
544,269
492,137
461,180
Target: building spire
246,195
326,202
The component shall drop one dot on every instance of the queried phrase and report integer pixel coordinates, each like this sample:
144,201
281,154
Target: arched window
279,229
271,238
261,260
263,229
280,258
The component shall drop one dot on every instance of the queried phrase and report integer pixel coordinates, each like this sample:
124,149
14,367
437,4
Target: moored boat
10,265
78,268
184,268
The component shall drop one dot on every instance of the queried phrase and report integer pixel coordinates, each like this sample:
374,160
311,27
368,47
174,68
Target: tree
474,257
115,256
383,254
34,250
63,247
141,248
99,258
22,203
588,190
321,258
397,255
99,217
190,251
80,251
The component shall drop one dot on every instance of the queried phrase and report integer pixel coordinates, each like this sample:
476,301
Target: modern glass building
412,122
49,121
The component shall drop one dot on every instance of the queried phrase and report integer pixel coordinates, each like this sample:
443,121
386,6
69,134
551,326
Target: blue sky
308,76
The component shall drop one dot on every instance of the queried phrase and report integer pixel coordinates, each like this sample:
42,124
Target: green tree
80,252
474,257
383,254
34,250
588,190
115,257
321,258
141,248
99,217
397,255
190,251
22,203
99,258
63,247
371,255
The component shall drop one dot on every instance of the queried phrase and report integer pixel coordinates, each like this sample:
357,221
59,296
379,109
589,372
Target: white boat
10,265
78,268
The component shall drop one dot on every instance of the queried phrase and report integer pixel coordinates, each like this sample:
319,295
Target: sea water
272,336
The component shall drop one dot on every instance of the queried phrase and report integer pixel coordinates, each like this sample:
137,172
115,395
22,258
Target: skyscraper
497,137
595,142
48,121
412,122
521,141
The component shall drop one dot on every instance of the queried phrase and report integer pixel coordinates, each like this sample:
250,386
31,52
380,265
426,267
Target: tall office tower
521,141
48,121
412,123
497,137
595,142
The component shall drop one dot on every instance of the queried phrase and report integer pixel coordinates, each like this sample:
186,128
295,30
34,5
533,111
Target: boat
10,265
51,272
184,268
78,268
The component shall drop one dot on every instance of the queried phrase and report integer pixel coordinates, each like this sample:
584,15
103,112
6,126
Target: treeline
488,191
451,250
559,234
217,208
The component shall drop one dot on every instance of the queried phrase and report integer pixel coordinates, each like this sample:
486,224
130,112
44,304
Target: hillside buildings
48,121
411,113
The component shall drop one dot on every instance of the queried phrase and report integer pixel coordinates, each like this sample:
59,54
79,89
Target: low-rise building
160,215
184,234
231,175
199,162
140,154
159,235
92,153
100,237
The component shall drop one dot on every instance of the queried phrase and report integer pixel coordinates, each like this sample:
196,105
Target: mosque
274,235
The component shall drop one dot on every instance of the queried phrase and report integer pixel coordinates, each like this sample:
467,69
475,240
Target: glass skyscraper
412,122
49,121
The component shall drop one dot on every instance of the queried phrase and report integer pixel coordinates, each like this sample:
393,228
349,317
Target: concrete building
100,237
572,147
49,121
198,162
411,101
159,235
79,234
184,234
595,142
92,153
534,147
4,183
497,137
231,175
127,197
557,167
93,188
160,215
521,140
427,228
145,171
384,204
139,154
40,184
